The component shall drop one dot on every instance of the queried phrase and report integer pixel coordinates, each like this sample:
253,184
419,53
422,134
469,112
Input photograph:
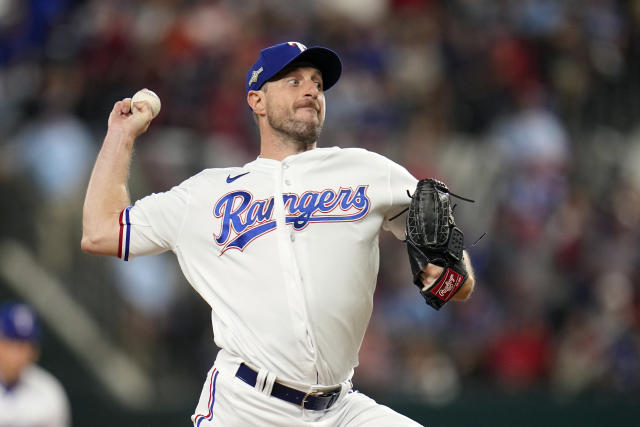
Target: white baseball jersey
285,253
36,400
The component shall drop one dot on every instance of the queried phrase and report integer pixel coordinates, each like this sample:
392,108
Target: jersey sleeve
400,181
153,224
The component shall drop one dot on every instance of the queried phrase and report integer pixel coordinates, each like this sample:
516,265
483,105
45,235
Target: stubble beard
301,132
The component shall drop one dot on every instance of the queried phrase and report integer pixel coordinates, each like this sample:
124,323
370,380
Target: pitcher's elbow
100,237
88,244
95,244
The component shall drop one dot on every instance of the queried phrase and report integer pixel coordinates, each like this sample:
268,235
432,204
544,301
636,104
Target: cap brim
326,60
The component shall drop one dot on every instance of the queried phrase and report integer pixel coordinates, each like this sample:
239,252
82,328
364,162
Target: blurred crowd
531,107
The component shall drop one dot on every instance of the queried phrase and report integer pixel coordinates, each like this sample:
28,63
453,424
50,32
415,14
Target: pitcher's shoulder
356,153
214,174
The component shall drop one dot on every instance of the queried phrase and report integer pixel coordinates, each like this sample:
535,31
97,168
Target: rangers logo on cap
298,45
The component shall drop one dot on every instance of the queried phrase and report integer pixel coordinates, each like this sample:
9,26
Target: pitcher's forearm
467,288
107,194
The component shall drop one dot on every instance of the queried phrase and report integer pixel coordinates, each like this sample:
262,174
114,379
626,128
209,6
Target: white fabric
37,400
228,401
297,298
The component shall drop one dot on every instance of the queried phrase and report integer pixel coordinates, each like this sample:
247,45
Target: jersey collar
272,163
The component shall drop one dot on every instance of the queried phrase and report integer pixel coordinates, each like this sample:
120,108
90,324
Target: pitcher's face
295,104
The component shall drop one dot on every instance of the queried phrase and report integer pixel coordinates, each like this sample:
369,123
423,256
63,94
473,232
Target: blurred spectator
519,357
147,284
29,396
429,371
580,357
533,147
54,149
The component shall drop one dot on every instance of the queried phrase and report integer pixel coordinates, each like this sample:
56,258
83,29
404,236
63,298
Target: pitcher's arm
107,193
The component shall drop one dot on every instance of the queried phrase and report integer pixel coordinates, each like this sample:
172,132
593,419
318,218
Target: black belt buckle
318,401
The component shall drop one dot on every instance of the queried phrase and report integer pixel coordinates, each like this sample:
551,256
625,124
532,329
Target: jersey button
293,238
285,166
287,181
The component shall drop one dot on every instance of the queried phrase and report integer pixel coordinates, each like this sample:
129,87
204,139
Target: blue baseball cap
273,59
18,322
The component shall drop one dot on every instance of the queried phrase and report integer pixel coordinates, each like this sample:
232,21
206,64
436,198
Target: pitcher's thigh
359,410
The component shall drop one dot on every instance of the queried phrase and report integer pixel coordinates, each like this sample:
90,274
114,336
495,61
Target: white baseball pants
230,402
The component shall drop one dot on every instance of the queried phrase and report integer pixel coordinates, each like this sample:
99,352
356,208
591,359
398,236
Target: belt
316,401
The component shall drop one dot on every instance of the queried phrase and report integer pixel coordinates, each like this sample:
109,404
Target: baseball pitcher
284,249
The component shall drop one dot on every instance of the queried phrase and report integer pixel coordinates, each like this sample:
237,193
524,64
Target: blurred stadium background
531,107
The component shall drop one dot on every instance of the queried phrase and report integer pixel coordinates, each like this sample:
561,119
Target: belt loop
260,380
268,383
264,381
346,386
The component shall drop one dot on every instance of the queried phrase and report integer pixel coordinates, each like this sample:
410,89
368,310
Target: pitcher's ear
255,99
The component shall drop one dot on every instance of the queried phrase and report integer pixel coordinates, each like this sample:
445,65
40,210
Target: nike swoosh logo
231,179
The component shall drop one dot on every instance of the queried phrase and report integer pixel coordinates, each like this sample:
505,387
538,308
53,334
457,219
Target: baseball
150,97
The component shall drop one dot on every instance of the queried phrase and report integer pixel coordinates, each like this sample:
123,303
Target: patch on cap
254,75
